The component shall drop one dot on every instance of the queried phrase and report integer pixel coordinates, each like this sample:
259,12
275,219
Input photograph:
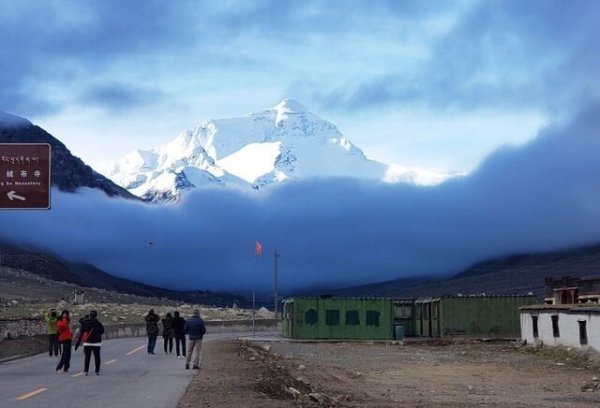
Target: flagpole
275,302
258,252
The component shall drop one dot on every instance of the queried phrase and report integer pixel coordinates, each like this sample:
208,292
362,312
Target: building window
582,333
403,311
311,316
352,318
332,317
555,331
534,322
373,318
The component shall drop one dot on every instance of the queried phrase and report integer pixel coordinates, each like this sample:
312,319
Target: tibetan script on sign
24,176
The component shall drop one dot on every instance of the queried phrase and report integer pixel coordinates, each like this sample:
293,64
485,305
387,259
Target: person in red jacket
64,339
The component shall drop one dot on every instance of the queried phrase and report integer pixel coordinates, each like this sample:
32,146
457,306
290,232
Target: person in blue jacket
195,329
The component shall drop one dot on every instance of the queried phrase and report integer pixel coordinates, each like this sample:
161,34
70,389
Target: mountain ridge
68,172
54,268
509,275
260,149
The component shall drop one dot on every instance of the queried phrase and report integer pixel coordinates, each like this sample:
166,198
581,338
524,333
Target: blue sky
437,85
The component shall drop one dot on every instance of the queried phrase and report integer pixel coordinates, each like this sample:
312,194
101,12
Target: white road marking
134,350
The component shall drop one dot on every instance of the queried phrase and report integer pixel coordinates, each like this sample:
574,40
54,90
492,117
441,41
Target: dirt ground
464,373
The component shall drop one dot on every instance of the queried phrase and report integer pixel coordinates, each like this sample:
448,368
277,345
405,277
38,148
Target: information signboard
24,176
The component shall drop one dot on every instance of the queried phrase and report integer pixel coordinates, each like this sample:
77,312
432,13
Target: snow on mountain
282,143
163,173
397,173
253,160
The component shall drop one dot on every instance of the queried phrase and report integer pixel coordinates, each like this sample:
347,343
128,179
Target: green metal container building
338,318
389,319
470,315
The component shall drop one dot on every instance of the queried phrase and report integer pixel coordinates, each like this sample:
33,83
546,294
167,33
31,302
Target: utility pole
275,303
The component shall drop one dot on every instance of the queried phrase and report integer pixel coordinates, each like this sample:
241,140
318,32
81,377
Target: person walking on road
65,337
195,329
152,330
167,333
179,333
91,335
51,318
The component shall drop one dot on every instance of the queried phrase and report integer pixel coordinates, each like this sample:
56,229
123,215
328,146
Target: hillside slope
517,274
58,270
68,172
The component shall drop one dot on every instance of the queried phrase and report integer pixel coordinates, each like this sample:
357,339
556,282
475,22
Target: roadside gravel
414,374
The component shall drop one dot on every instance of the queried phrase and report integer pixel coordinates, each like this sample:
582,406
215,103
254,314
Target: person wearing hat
51,318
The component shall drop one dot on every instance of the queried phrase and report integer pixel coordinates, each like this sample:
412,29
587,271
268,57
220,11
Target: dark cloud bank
542,196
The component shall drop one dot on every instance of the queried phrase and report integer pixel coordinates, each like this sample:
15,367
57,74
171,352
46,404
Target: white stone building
574,325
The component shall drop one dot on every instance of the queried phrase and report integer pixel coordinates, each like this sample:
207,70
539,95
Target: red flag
258,248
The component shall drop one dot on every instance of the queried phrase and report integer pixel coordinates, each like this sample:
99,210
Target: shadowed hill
516,274
56,269
68,172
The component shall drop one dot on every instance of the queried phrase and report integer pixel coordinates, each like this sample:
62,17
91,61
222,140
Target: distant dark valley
54,268
517,274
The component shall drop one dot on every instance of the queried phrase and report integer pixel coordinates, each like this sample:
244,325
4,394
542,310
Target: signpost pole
275,297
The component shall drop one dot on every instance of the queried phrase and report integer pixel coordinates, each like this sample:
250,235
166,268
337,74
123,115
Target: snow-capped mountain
282,143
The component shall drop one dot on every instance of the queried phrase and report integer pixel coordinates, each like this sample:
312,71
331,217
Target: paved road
129,377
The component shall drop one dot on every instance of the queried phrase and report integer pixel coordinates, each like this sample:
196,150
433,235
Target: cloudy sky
508,90
437,85
542,196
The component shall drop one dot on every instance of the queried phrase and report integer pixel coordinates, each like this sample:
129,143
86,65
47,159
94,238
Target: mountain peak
285,142
290,105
